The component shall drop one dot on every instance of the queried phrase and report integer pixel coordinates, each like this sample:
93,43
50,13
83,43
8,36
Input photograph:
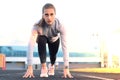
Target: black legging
53,49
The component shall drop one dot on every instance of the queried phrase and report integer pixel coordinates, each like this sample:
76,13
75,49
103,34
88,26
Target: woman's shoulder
58,22
36,25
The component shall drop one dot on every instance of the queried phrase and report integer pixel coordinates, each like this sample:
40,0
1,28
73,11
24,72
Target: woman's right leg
42,40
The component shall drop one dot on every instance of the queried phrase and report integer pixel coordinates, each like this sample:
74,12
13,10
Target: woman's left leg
53,49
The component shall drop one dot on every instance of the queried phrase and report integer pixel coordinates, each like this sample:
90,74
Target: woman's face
49,16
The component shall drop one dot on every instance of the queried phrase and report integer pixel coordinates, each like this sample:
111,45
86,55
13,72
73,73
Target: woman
48,31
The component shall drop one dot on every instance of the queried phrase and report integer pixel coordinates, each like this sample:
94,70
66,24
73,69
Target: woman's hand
67,74
29,73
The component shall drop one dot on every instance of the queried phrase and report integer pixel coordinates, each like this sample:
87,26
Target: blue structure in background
21,51
16,56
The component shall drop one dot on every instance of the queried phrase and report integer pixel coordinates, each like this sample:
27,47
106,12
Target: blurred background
93,28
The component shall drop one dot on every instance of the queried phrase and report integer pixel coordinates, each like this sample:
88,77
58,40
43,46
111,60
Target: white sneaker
51,70
44,73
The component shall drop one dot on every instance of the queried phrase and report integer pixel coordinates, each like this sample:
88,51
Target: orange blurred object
2,62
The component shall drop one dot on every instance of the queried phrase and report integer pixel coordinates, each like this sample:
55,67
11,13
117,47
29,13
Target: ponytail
40,23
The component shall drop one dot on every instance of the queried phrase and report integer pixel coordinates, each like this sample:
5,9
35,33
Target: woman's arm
63,34
33,37
31,45
64,43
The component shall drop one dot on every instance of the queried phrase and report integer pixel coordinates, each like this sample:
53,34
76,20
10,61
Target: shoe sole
51,74
44,75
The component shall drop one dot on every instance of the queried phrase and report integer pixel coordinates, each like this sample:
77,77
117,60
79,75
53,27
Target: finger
32,76
70,76
25,75
64,76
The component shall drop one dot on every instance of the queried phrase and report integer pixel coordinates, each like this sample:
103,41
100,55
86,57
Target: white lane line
95,77
10,74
